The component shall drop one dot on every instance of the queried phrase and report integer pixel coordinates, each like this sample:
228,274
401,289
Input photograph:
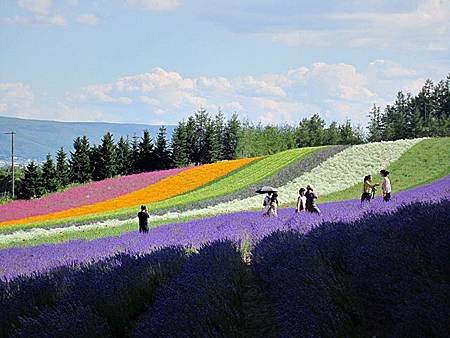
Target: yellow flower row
183,182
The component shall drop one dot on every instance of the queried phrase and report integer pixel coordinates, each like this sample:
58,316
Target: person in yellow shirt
368,189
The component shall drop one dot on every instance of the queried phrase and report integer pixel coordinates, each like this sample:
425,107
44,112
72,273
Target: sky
274,62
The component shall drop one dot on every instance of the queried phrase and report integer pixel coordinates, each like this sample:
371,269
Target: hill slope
36,138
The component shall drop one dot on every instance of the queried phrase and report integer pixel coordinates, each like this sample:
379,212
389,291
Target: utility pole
12,133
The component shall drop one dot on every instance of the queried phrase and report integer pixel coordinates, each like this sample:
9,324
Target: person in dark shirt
311,196
143,219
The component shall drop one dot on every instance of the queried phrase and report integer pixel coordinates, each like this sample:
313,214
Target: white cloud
41,7
102,93
157,5
305,38
16,100
336,91
88,19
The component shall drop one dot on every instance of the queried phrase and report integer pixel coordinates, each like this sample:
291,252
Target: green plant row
425,162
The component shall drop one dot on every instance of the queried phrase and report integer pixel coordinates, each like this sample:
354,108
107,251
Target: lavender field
377,269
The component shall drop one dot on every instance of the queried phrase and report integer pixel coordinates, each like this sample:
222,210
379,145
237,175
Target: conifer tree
375,126
49,176
231,139
80,165
31,186
123,152
147,160
346,134
107,157
134,155
62,169
162,152
217,138
180,149
332,134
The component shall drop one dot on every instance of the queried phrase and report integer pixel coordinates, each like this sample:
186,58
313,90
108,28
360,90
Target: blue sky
158,61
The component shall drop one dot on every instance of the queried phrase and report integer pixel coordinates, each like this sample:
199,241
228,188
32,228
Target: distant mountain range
34,139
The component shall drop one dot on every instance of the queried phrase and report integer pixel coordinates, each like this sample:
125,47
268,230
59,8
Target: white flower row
337,173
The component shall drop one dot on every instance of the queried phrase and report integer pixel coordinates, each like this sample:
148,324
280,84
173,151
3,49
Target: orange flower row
185,181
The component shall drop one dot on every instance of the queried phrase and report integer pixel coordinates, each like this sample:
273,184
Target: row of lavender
387,275
236,227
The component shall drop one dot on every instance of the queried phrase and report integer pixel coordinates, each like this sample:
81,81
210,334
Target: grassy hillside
423,163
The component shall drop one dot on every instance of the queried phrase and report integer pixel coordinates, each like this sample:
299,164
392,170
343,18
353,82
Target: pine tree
231,139
180,149
375,126
80,165
62,169
134,155
217,138
123,152
147,161
31,186
162,152
49,175
107,157
202,131
332,134
346,134
191,138
94,160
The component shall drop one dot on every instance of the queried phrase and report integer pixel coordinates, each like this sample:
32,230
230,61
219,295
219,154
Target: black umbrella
266,189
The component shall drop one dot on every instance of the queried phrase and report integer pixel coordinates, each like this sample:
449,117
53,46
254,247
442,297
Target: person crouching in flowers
143,219
368,189
273,206
386,186
301,201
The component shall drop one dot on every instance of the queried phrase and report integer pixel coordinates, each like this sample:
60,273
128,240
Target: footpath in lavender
248,226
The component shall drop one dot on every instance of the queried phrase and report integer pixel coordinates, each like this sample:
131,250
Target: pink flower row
82,195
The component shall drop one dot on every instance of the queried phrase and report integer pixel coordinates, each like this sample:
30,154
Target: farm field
207,263
301,165
210,251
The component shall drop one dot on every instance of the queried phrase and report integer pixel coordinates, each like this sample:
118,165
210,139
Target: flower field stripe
305,162
83,194
184,181
337,173
425,162
236,226
235,181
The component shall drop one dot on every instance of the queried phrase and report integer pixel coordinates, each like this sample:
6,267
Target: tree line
203,138
426,114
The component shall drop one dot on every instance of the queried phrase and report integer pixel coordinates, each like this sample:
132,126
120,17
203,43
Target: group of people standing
306,201
369,188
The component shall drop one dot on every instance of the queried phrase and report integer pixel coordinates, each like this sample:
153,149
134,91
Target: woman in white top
386,186
301,201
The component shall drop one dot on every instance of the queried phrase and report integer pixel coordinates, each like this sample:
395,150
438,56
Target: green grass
425,162
245,176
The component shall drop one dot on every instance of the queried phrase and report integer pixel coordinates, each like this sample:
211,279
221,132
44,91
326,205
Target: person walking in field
301,201
386,185
368,189
143,219
273,206
311,196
